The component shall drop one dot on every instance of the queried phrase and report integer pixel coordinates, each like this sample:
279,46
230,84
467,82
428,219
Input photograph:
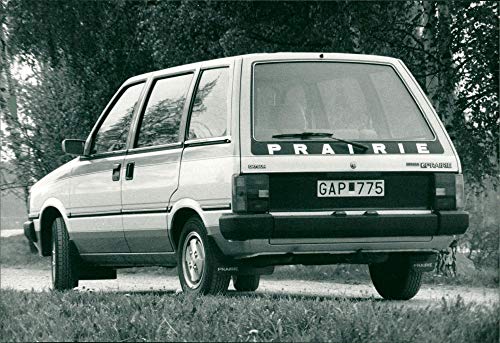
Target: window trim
207,141
401,78
137,124
153,148
103,155
210,140
91,139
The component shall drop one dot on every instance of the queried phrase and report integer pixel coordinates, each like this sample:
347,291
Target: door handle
129,171
116,171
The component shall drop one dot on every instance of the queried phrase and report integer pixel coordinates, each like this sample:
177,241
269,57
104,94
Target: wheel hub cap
193,258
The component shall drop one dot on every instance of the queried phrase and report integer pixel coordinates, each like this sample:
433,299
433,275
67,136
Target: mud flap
243,270
423,262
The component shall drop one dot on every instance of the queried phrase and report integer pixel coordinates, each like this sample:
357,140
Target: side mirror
73,146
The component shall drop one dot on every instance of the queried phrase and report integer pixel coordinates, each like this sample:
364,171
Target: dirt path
8,233
39,280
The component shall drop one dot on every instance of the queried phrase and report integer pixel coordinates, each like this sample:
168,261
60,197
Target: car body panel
145,199
207,172
37,219
95,207
53,185
93,190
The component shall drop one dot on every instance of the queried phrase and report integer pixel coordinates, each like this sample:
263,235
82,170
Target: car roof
271,56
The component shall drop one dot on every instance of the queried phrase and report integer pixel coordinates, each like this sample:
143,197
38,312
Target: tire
197,262
246,283
396,279
64,260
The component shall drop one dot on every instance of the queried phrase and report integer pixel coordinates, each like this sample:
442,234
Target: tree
80,53
476,119
482,237
86,49
49,113
451,47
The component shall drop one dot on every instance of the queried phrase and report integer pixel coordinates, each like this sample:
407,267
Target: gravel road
39,280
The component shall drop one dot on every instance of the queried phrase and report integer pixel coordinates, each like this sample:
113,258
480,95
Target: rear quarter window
209,116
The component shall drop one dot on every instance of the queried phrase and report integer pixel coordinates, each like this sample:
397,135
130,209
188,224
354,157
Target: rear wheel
246,283
198,265
64,261
396,279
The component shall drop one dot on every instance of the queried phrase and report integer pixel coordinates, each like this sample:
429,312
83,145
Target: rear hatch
315,125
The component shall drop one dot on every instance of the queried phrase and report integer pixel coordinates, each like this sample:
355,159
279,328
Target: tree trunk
430,63
438,64
447,75
5,76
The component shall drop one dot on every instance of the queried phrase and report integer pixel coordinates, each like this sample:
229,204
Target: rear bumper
235,227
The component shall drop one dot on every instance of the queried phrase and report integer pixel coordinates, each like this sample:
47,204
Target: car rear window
356,101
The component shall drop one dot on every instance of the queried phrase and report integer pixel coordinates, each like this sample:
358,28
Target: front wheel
64,259
396,279
198,266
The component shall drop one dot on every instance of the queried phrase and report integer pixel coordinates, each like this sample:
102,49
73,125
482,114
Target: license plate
351,188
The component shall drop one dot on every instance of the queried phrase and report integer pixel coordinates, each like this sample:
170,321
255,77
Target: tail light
251,193
449,191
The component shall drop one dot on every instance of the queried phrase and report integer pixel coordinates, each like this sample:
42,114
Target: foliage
97,41
476,118
452,48
483,236
36,141
83,50
66,43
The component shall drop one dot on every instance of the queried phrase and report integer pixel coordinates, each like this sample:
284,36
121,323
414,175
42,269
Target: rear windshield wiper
305,135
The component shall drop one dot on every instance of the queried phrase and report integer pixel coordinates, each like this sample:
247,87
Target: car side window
210,107
162,118
113,132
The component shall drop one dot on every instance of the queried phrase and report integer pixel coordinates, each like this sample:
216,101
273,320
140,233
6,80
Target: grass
14,252
156,316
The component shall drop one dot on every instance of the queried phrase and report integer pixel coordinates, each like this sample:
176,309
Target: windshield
353,101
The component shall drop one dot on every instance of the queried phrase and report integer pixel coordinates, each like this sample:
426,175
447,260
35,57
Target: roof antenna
320,55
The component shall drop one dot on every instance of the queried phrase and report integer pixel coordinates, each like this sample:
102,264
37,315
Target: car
229,167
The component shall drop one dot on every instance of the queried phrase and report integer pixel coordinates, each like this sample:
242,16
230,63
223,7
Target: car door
95,192
209,157
152,163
